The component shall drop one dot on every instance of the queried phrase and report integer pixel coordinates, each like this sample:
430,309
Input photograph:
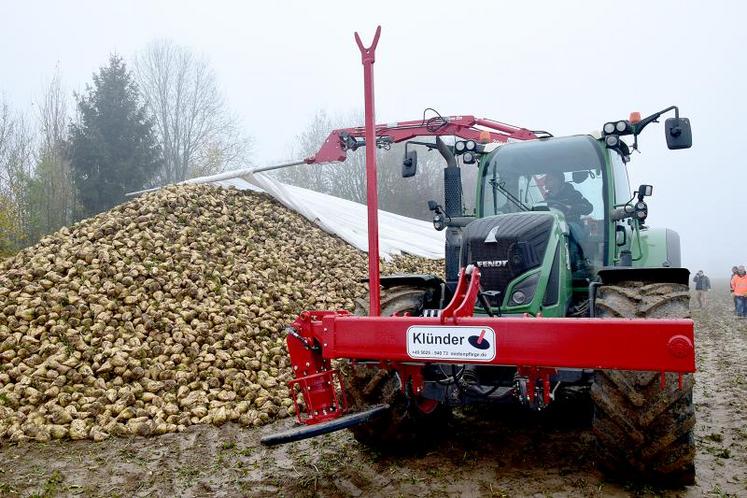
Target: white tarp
346,219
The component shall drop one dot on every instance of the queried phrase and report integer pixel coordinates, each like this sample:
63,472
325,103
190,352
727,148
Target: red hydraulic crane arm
338,142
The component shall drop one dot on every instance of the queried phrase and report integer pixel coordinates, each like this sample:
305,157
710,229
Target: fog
566,68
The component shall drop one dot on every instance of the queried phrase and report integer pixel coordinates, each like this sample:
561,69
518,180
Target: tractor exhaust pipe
446,153
453,209
452,181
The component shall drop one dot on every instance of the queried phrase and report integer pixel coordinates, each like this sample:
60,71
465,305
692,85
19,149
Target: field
493,452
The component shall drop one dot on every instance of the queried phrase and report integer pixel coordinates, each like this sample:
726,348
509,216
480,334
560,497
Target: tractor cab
543,224
554,211
566,176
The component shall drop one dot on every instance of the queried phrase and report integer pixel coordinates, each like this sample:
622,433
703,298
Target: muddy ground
494,452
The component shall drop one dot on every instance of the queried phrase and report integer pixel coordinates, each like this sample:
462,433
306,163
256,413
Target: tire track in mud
721,399
495,451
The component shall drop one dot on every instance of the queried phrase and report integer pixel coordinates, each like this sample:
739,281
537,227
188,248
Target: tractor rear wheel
644,432
395,300
411,420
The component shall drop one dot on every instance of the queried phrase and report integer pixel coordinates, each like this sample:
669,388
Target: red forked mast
368,57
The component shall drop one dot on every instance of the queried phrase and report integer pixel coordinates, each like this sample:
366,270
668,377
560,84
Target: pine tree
112,148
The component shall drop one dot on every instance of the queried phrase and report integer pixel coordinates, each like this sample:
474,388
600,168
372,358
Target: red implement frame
589,343
338,142
536,346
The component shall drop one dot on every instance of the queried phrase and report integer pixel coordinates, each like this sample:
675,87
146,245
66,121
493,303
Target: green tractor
555,284
557,232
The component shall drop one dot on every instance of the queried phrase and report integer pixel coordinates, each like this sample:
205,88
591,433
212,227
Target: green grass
717,438
51,486
7,490
717,491
188,473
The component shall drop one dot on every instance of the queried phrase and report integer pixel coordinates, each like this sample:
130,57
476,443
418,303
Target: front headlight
523,292
518,297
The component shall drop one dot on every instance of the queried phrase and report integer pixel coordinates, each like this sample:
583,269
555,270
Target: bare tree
36,190
198,135
52,187
53,113
16,169
346,180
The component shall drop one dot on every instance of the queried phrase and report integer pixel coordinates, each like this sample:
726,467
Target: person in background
731,287
739,283
702,286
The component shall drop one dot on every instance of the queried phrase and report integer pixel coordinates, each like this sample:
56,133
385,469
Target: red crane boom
467,127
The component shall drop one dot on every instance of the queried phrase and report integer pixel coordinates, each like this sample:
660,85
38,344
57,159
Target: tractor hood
506,246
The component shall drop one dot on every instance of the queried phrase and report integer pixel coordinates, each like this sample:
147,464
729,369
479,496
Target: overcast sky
566,67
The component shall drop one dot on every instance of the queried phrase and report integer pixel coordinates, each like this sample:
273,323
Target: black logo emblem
479,342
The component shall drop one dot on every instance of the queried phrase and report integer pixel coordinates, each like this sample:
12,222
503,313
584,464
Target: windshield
521,176
563,174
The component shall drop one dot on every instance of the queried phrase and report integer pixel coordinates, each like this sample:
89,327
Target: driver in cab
561,195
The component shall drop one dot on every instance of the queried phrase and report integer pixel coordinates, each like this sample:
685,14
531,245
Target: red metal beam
624,344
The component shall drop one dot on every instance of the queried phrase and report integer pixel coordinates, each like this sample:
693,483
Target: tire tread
644,432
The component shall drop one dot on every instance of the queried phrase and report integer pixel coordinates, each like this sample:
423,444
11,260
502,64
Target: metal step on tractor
554,284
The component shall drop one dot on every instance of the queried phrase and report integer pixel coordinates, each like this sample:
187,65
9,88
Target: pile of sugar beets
165,312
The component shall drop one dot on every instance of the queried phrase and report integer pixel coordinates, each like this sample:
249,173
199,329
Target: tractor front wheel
644,432
411,420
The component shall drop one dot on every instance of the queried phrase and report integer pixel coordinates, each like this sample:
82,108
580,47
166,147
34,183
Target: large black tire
395,300
410,422
644,433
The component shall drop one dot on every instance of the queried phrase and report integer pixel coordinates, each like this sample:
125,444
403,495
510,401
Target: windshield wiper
511,197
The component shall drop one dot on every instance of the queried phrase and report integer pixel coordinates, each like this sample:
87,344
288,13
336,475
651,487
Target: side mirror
679,134
410,164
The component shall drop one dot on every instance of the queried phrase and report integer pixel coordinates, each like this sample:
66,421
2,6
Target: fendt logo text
495,263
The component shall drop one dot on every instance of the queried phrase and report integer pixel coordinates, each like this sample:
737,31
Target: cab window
623,193
562,174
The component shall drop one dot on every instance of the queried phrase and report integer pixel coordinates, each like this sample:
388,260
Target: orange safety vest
740,285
